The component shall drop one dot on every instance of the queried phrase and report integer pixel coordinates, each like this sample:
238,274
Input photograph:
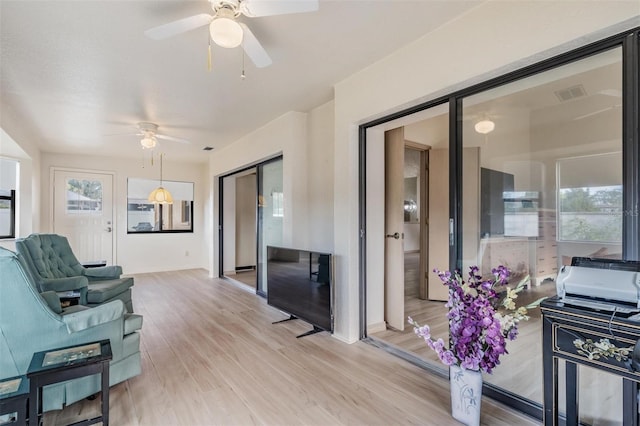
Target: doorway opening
408,157
239,216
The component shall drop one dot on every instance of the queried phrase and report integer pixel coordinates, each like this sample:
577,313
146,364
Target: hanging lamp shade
160,196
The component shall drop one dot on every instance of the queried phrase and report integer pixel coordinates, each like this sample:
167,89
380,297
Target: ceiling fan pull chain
209,54
242,75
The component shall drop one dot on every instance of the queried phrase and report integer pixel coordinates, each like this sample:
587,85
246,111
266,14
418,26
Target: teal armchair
32,322
54,267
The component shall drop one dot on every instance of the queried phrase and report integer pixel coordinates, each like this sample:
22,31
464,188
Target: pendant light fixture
485,126
160,195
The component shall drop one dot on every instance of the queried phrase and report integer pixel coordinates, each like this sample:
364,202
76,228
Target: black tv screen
300,283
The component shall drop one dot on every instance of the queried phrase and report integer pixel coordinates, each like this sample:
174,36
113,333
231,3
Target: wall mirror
143,216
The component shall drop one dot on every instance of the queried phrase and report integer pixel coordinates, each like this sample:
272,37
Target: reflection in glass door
549,163
270,215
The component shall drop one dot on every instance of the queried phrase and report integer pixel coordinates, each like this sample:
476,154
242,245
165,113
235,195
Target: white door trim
114,220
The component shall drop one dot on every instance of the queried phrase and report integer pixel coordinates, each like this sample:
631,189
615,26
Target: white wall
320,178
138,253
506,36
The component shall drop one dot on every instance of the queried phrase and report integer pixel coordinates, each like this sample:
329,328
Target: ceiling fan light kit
148,141
225,30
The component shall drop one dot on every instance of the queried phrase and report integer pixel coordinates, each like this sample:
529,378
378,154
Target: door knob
394,235
108,229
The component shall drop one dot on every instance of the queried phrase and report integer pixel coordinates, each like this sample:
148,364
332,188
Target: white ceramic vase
466,395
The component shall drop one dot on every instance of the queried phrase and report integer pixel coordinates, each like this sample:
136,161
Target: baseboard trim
376,328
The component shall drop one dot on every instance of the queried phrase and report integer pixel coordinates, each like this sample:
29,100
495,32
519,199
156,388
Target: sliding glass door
548,186
270,215
543,167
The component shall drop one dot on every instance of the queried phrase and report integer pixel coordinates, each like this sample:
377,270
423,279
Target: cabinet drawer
595,347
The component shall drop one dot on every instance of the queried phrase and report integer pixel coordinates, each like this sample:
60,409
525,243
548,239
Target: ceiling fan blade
600,111
178,27
255,8
254,49
171,138
616,93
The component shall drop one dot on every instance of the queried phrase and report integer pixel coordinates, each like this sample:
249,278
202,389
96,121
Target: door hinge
361,233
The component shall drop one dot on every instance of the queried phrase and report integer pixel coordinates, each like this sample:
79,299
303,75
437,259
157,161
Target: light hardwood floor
210,355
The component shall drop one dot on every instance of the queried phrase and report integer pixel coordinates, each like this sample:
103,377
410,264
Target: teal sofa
32,322
54,267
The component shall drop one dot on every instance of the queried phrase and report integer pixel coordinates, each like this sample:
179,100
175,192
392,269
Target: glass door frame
629,41
258,217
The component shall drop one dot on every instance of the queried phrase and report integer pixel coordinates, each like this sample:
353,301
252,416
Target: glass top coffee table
68,363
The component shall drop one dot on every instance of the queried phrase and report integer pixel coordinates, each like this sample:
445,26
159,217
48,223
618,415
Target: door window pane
270,215
547,187
84,196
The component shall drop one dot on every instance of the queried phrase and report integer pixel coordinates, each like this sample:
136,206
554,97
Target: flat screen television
300,283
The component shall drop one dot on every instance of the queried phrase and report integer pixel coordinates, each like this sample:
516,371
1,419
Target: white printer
602,284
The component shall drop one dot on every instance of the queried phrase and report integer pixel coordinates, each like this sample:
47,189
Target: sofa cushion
101,291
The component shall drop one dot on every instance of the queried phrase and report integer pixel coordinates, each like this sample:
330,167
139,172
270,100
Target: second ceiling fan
224,28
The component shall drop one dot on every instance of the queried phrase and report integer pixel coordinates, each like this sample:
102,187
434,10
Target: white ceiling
78,72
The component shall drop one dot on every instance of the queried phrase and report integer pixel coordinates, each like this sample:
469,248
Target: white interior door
394,224
83,212
438,222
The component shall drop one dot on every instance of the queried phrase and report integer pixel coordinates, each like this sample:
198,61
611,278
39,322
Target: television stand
291,317
308,333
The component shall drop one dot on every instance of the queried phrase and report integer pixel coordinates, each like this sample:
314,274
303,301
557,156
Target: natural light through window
84,196
590,204
591,214
278,204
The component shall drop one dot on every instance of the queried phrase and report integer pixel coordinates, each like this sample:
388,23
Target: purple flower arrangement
482,317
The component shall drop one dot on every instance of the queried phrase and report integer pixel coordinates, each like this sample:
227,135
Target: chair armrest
104,272
53,300
98,315
64,284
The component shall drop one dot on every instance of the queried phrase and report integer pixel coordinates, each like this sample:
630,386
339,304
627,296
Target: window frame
12,214
178,209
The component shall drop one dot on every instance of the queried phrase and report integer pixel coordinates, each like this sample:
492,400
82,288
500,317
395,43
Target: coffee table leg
34,403
105,394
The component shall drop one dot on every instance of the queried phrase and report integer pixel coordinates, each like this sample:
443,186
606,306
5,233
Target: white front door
83,212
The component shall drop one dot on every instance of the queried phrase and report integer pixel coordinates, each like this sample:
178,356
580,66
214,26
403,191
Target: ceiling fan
224,28
616,93
150,135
